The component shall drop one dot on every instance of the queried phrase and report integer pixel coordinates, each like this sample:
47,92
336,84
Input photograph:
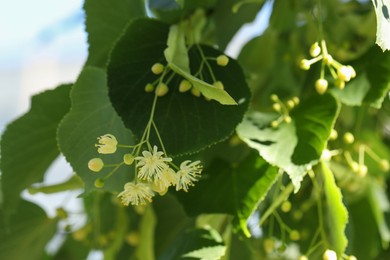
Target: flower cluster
160,86
154,172
340,73
283,109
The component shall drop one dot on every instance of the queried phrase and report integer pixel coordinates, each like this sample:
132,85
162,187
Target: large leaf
105,21
177,58
336,213
186,123
372,82
26,233
28,145
91,116
205,244
172,11
228,20
382,11
172,221
240,190
294,146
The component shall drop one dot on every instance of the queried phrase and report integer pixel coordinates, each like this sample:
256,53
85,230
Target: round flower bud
99,183
184,86
326,155
304,64
384,165
294,235
290,104
321,86
195,92
95,164
340,84
329,255
345,73
351,257
218,85
269,245
333,135
328,59
352,70
274,124
277,107
157,68
354,166
295,100
348,138
303,257
128,159
286,206
362,170
162,89
274,98
149,88
222,60
315,50
287,119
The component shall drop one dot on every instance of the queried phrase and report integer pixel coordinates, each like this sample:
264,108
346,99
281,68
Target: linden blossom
188,174
136,194
107,144
152,165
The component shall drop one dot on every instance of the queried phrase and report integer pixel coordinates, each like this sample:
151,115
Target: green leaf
186,123
91,116
28,145
336,213
176,52
27,232
382,11
240,190
172,11
177,58
372,82
170,222
229,20
205,244
295,146
105,21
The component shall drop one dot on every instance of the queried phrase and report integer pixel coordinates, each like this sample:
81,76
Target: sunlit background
43,44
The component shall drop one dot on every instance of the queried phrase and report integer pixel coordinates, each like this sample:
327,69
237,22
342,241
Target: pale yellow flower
152,165
188,174
168,178
107,144
136,194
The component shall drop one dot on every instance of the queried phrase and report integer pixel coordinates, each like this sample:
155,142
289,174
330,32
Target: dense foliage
181,152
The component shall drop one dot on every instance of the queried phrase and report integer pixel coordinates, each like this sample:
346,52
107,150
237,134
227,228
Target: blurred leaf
240,190
25,234
105,21
172,221
295,146
372,82
228,22
382,11
72,249
145,250
28,145
364,240
205,244
336,213
379,205
91,116
186,123
172,11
